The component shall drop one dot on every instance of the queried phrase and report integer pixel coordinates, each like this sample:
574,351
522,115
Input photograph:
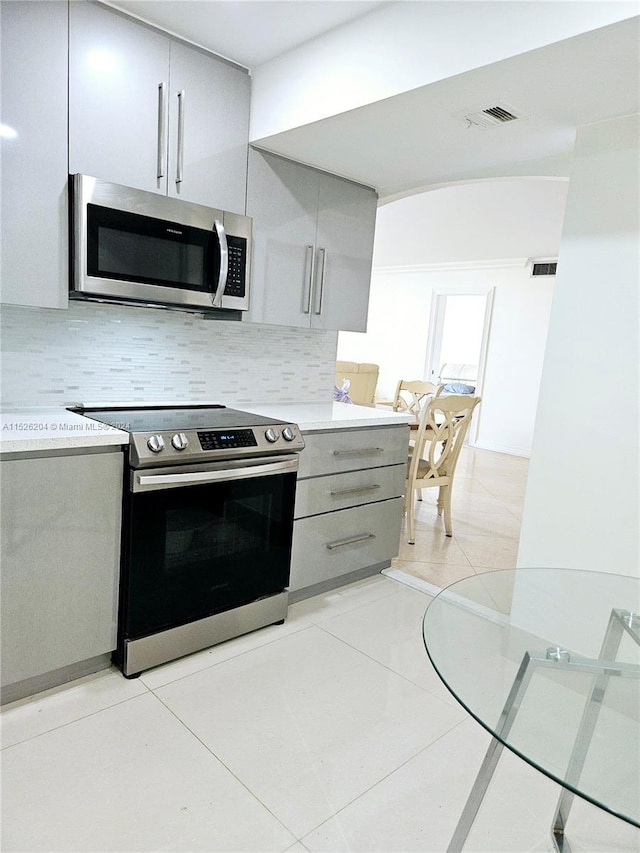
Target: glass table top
570,716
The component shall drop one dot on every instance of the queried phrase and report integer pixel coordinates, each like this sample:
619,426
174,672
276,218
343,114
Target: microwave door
223,268
138,247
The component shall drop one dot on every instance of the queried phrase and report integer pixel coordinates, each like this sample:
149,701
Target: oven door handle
169,480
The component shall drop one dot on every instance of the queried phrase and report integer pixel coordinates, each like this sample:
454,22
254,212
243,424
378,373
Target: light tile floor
328,733
487,500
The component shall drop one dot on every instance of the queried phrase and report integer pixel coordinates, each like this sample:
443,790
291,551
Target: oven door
202,539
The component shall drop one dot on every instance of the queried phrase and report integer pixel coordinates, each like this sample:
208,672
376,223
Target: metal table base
602,669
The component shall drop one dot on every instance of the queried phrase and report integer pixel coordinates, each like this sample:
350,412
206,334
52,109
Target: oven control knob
179,441
288,434
155,443
272,435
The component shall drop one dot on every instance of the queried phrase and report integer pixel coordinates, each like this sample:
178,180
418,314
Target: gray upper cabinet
150,112
282,198
313,245
116,67
215,103
344,240
34,157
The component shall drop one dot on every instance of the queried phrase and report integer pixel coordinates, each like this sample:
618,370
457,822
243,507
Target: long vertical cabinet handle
323,270
161,160
312,276
180,157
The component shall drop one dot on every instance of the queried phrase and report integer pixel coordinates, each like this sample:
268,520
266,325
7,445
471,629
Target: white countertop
37,429
32,430
313,417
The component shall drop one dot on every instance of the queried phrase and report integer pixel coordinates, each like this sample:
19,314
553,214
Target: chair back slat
412,394
443,426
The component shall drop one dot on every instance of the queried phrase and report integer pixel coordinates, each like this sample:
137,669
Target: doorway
459,324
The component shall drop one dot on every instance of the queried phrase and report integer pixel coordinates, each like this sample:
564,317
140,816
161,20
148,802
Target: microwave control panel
236,276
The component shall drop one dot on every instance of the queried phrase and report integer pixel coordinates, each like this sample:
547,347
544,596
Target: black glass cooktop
159,418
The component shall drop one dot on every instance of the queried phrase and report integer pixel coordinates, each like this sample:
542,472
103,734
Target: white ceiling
248,31
421,141
416,140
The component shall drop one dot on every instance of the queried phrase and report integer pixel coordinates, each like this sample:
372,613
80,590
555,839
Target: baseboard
501,448
297,595
464,603
38,683
412,581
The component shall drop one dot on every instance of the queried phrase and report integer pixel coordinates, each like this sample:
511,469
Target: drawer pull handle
351,540
358,451
341,492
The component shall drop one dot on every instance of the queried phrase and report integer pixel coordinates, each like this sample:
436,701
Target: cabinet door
344,240
215,113
60,561
115,69
34,161
283,201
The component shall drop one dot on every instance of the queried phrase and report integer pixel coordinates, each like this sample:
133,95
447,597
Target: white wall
396,336
445,240
399,310
517,340
359,63
582,507
479,221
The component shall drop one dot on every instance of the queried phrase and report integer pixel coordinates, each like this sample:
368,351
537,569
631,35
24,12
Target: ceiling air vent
494,115
539,268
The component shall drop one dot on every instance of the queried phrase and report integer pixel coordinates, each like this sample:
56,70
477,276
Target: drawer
339,491
327,546
351,449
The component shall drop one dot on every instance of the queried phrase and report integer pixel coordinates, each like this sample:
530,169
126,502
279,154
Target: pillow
458,388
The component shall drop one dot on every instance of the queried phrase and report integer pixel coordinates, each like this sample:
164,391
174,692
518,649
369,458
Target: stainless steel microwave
132,246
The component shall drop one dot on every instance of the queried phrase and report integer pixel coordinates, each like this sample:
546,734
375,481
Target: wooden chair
410,395
432,461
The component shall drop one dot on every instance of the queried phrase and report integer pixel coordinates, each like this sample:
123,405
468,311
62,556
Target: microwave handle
224,263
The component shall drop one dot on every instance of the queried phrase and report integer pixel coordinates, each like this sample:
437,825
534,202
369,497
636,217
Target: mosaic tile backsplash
112,354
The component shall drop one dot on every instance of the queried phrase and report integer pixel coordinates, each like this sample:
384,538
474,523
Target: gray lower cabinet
60,553
348,510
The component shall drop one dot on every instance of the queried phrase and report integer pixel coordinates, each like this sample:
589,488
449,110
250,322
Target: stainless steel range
207,527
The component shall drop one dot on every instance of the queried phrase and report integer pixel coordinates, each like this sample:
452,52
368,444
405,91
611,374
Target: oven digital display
223,438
